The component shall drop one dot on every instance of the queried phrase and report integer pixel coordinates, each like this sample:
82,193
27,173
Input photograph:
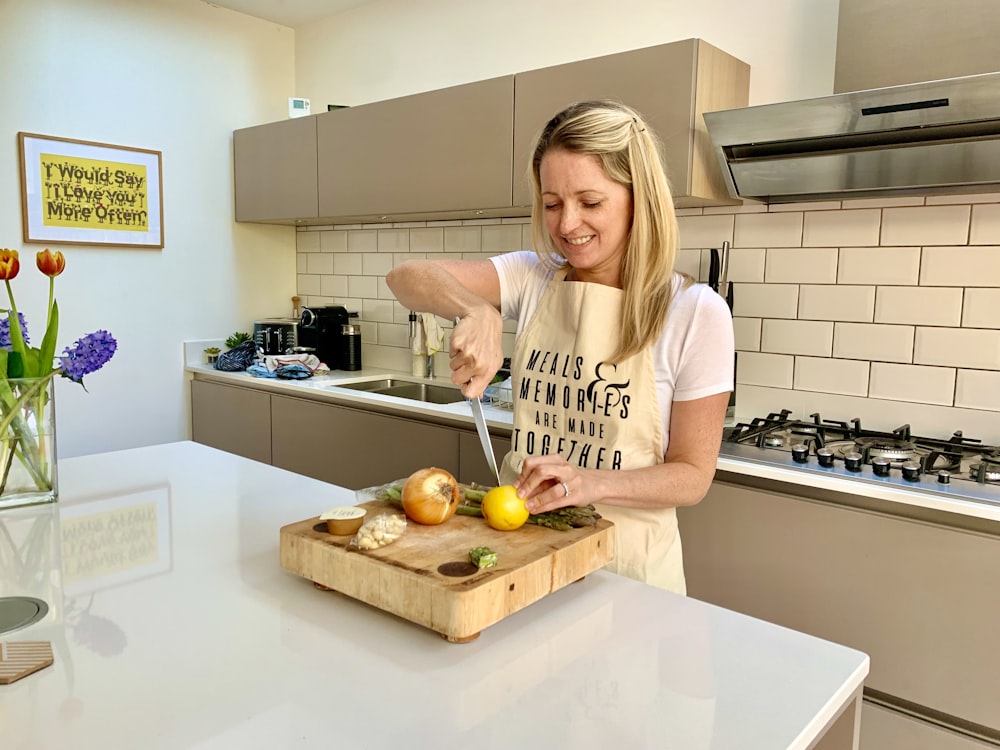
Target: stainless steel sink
426,392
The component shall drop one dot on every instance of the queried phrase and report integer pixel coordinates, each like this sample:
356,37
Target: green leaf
48,351
31,366
15,365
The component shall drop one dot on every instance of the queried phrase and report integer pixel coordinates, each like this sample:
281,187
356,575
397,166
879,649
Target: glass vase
27,442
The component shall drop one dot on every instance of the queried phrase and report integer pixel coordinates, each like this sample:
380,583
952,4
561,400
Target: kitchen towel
433,334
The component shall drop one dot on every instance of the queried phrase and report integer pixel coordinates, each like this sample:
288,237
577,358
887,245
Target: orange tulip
9,264
49,263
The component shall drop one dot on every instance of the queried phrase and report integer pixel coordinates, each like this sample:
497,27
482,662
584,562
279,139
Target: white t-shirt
694,355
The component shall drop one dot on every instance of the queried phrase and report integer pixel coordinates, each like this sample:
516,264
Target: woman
622,367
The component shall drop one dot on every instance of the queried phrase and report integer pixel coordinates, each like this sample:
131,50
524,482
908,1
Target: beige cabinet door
472,465
274,169
353,448
236,420
670,84
444,150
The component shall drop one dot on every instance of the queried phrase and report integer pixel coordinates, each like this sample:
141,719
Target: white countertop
500,421
174,626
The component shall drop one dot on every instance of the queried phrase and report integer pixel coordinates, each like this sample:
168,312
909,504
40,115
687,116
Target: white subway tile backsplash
501,238
362,287
768,230
377,310
348,264
804,206
836,302
914,305
765,300
393,334
747,334
427,240
393,240
333,286
801,265
333,241
925,225
463,239
808,337
982,308
886,202
384,292
873,342
307,242
774,370
841,228
747,264
376,264
747,207
846,376
978,389
301,262
898,266
307,284
923,385
705,231
362,241
963,198
408,224
958,347
985,224
689,262
960,266
319,263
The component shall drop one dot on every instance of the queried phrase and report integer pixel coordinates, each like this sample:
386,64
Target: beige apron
569,401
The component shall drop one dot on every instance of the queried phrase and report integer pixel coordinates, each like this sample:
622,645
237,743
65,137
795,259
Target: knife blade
484,436
476,404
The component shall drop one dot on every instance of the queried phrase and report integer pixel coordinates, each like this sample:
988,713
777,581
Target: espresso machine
331,331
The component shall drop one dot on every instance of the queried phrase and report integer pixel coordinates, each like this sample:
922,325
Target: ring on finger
565,489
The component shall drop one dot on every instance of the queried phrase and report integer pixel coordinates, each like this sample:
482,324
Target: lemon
503,509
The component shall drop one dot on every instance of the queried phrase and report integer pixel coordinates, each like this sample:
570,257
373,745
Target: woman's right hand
476,350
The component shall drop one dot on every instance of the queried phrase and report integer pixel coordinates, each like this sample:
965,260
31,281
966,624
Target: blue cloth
293,371
259,371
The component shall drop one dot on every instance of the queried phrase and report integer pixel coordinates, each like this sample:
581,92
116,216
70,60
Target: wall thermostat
297,107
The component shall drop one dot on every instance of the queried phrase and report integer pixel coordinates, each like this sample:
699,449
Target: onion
430,496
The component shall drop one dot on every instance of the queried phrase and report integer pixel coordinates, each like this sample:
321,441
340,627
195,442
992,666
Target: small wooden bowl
343,520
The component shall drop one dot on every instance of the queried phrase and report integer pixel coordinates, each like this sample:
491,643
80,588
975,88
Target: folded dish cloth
433,336
310,362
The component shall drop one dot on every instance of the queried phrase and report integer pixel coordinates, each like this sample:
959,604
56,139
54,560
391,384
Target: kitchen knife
722,287
713,269
484,436
476,404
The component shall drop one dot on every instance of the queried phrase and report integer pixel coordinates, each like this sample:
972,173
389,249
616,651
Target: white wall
177,76
396,47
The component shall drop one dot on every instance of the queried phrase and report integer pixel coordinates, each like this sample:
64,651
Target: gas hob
956,466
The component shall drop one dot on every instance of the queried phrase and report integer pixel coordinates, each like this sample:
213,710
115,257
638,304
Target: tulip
49,263
9,264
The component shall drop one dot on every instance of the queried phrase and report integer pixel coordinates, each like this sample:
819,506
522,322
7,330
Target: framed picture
84,193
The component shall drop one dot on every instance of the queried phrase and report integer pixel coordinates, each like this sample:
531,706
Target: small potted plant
236,339
212,354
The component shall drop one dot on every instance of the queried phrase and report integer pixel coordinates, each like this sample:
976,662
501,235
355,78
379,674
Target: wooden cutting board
425,576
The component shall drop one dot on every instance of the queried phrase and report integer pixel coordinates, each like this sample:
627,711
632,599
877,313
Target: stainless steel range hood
922,138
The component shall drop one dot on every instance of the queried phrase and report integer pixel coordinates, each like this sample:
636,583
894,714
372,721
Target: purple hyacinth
89,354
5,330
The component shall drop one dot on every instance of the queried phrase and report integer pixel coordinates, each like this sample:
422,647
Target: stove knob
881,466
852,461
800,453
825,456
911,471
944,476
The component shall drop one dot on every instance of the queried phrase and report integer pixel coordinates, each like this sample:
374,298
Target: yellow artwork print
93,194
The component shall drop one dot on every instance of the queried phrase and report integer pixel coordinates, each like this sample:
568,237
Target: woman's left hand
549,482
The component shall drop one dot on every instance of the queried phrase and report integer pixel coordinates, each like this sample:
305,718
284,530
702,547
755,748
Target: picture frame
86,193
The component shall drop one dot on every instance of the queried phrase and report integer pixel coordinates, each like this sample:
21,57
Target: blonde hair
630,154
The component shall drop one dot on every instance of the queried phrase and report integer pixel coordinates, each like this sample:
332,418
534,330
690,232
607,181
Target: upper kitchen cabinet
670,84
274,168
434,153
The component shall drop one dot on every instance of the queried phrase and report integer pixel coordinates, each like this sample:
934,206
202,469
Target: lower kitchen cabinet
884,729
472,465
354,448
236,420
918,596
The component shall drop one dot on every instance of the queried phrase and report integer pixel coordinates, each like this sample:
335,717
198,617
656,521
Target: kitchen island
173,626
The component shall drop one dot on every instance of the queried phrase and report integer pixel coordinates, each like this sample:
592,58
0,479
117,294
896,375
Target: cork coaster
20,659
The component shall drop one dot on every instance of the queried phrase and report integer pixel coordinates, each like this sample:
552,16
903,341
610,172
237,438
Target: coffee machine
331,332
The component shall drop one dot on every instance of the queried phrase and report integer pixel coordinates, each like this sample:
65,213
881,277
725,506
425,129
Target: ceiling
288,12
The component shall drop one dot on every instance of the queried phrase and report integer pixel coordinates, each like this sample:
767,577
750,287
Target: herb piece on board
483,557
